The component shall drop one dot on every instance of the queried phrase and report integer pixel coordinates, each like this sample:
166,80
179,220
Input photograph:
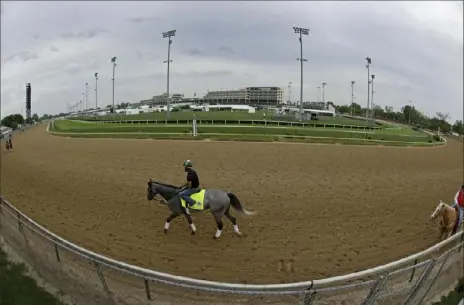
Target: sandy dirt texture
323,210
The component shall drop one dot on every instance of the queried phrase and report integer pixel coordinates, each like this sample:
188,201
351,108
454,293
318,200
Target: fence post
433,281
413,270
375,290
147,289
56,251
102,279
20,227
424,276
309,296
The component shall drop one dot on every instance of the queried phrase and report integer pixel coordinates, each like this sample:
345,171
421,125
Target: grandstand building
162,99
252,96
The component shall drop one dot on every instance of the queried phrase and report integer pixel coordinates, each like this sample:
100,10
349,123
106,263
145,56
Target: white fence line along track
250,122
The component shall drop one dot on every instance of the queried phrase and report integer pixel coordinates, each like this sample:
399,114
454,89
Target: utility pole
323,93
113,60
352,96
372,97
168,35
86,96
409,113
368,86
301,32
318,94
96,91
289,93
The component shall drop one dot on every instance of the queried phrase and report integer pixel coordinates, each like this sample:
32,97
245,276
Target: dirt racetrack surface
324,210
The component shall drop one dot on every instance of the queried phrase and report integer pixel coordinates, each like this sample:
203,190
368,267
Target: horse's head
164,190
151,191
438,210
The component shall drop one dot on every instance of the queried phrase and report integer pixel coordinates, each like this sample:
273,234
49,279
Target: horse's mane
166,185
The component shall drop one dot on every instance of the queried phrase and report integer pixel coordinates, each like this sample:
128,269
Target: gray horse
217,201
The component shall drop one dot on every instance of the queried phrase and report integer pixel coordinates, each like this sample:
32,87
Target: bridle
153,194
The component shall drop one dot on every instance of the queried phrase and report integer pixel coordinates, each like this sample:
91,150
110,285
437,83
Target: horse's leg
233,221
220,225
190,221
168,221
441,230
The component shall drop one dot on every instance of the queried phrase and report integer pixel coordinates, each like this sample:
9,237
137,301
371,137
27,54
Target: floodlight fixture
301,31
169,33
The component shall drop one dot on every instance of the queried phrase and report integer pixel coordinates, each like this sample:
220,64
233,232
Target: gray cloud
86,34
144,19
214,73
54,49
195,52
226,50
23,56
144,56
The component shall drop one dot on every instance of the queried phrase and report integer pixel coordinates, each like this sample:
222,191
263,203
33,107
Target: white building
255,96
232,108
162,99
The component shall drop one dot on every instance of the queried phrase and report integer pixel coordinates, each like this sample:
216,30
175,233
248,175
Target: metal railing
90,278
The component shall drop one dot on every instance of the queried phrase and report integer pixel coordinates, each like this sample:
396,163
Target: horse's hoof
192,233
165,231
215,238
239,234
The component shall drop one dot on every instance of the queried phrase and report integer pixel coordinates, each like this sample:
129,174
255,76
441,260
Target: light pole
368,84
168,34
318,94
289,93
86,96
409,113
372,97
113,60
96,91
352,96
82,101
301,32
323,93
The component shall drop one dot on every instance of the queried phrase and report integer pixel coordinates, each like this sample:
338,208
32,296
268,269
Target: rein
165,185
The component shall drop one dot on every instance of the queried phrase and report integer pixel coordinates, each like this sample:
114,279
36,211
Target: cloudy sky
416,50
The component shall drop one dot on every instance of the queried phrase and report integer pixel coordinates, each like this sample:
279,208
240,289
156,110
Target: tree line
407,115
15,120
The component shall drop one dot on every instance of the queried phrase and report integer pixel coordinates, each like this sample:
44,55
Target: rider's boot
189,204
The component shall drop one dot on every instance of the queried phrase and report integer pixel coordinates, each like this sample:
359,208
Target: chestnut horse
448,221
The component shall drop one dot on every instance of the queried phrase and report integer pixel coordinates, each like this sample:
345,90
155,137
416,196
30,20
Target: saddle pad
199,198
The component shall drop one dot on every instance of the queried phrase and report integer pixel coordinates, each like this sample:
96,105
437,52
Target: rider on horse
459,204
192,185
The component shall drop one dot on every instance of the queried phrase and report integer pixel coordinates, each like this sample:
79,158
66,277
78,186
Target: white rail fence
90,278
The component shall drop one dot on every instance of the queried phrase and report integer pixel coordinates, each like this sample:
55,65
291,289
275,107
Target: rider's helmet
188,164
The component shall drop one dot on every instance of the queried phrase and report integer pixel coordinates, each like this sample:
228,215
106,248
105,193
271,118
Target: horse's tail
237,205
